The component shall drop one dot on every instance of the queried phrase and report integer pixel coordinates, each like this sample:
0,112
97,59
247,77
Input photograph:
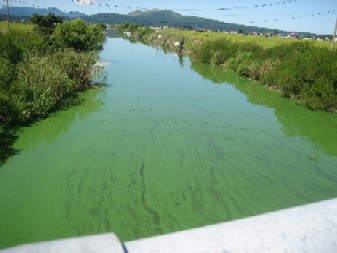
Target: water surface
166,146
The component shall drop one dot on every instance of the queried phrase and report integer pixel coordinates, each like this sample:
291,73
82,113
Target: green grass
15,26
286,63
191,36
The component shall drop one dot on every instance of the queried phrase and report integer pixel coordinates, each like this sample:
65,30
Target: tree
132,27
46,24
125,25
98,35
78,35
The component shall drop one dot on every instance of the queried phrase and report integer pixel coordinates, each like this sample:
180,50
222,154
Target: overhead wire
276,18
257,6
326,18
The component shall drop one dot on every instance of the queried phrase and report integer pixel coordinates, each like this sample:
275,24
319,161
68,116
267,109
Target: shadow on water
51,128
7,140
111,33
317,126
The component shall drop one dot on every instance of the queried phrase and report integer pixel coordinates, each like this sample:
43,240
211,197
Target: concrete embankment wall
309,228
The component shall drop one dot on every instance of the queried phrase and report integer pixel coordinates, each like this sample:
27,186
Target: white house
127,34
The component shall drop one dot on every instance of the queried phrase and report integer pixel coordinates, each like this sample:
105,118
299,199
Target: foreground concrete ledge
107,243
311,229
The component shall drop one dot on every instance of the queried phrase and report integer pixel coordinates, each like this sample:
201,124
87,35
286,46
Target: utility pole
334,36
8,16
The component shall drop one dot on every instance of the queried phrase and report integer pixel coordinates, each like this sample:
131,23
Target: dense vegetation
41,69
138,33
299,70
304,71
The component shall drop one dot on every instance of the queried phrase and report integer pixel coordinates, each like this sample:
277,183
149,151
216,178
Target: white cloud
84,1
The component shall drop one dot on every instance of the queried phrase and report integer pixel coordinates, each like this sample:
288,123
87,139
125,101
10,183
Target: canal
168,145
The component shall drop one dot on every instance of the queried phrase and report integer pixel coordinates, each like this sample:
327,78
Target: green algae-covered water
166,146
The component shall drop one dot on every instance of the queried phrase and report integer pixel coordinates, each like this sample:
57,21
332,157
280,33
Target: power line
325,20
273,18
257,6
293,17
323,24
279,18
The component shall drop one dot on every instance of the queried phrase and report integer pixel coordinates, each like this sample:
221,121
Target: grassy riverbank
43,68
16,26
301,70
265,42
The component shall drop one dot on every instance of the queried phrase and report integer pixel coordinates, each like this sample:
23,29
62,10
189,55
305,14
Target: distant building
293,34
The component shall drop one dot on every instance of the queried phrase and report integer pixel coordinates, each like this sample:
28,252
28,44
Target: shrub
132,27
301,70
78,35
218,58
36,78
43,83
7,74
46,23
14,44
9,48
39,87
79,67
143,32
202,52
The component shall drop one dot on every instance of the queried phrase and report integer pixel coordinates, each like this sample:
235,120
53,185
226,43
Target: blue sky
318,16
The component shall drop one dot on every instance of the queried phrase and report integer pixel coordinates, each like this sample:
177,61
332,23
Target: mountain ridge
146,18
172,19
29,11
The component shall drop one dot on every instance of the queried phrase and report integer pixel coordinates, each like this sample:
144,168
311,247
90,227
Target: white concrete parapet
107,243
311,229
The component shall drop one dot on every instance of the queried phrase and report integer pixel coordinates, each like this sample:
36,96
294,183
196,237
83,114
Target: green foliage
244,64
39,87
300,70
202,52
9,49
123,26
132,27
7,74
310,75
143,32
16,26
215,52
44,82
46,24
36,78
78,35
14,43
79,67
126,27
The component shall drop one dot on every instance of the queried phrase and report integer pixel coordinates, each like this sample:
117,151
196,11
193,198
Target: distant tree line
300,71
138,32
41,70
127,27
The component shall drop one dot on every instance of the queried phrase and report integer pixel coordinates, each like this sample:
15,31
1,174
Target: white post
8,16
334,36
